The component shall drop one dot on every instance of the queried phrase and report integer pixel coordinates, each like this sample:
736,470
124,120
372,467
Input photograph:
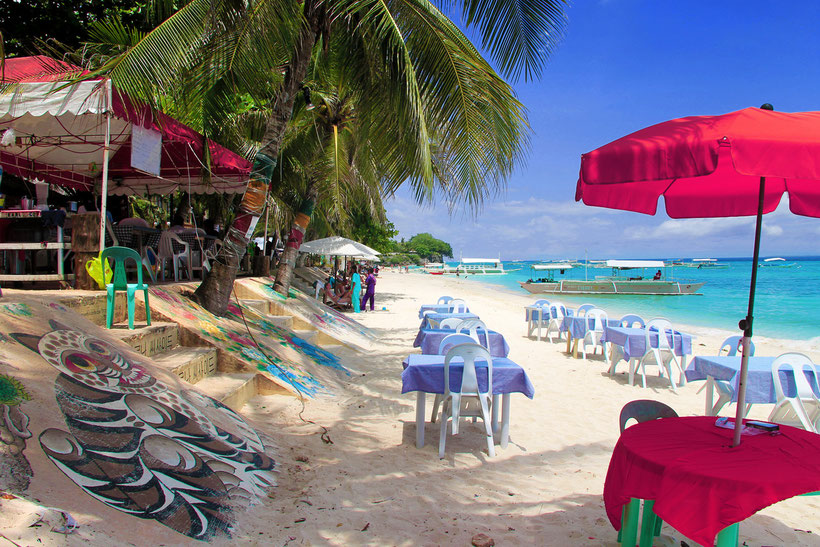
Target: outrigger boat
470,266
776,262
615,284
702,263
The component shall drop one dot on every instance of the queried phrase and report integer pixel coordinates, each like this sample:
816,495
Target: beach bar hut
87,135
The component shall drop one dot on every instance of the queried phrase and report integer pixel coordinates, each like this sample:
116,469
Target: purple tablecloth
759,383
430,339
578,326
437,308
433,319
633,341
533,313
426,373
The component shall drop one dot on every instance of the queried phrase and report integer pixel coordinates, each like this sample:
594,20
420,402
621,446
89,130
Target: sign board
146,149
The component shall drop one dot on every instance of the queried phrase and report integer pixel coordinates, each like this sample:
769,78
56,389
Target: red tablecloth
699,483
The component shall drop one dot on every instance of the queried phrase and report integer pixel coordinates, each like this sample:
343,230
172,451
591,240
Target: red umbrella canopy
709,166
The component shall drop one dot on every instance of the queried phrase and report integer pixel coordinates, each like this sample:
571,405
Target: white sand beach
372,486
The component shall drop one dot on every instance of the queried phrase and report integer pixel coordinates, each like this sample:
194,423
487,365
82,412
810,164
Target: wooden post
85,242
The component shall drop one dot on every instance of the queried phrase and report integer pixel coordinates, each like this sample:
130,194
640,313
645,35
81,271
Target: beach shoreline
349,471
620,305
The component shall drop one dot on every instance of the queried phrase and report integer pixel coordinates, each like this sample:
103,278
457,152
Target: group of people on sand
345,289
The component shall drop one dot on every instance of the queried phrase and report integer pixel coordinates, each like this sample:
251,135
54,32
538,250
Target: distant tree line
418,248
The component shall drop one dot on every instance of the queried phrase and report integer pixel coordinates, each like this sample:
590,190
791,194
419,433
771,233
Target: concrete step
306,335
316,337
191,364
263,307
151,340
257,304
284,321
233,390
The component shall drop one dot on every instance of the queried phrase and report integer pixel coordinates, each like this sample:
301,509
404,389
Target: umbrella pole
746,324
104,185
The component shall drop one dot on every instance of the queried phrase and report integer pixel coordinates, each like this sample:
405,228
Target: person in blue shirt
357,289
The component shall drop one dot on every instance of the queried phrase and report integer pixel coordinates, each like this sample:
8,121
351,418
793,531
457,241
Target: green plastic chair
119,255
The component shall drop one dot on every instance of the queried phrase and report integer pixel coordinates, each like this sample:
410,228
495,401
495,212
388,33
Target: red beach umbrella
735,164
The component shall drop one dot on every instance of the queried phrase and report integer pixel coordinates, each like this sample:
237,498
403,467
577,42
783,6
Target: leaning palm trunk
284,274
215,290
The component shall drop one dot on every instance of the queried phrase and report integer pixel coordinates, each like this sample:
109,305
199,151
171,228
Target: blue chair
444,299
119,256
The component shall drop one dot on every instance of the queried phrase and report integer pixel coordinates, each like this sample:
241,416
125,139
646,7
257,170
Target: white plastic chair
583,309
804,408
616,352
151,263
211,254
630,320
444,299
732,345
167,251
539,318
663,355
724,389
476,402
557,313
472,326
444,346
457,305
450,323
595,332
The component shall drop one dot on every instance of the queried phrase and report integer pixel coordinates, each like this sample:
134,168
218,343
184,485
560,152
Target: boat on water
775,262
702,263
435,268
628,278
469,266
478,266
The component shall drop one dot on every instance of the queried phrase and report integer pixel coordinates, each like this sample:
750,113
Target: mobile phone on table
766,426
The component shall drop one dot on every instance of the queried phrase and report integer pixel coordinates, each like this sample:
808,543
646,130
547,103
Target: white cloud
689,228
772,230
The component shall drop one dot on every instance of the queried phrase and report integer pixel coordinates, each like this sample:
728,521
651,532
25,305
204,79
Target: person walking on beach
370,291
357,289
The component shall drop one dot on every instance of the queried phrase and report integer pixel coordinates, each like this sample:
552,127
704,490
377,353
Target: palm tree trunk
215,290
284,274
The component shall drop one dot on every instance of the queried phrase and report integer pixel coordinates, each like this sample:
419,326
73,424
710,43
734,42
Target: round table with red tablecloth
699,483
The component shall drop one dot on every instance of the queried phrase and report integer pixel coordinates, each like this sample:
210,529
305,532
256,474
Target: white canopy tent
88,136
626,264
338,246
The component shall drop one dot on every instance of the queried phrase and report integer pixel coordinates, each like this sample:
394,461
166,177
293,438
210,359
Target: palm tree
442,120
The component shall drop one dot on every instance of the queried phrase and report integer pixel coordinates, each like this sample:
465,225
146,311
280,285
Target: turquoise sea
787,301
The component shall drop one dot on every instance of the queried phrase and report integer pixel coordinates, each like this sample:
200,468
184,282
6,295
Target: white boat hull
614,287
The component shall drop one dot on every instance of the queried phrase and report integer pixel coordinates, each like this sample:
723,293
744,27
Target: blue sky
623,65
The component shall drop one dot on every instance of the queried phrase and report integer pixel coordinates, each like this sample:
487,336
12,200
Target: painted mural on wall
15,471
284,337
307,308
293,364
136,445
